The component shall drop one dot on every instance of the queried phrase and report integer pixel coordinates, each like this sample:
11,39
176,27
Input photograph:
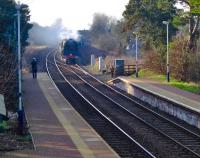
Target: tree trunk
192,43
194,24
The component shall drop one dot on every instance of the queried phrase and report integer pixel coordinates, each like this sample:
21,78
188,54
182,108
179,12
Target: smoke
51,35
103,32
67,34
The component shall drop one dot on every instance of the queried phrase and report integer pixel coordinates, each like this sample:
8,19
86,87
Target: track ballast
130,122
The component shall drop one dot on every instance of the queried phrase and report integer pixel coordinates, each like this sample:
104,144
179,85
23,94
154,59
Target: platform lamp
168,73
20,109
136,54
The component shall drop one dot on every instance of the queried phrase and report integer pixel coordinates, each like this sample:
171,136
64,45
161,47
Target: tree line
8,48
145,17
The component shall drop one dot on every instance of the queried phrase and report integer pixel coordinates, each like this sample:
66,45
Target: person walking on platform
112,71
34,67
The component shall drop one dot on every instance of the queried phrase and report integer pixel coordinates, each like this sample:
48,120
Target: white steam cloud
68,34
51,35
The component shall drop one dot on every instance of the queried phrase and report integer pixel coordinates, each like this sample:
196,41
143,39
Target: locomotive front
71,52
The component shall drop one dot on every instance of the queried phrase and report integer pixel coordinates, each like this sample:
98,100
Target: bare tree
194,21
106,33
8,76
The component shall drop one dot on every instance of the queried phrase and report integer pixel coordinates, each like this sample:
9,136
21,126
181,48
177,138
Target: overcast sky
76,14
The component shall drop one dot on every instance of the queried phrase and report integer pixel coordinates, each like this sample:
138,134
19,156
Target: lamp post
168,73
136,54
20,110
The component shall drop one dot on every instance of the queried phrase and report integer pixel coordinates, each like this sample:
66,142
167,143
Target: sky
75,14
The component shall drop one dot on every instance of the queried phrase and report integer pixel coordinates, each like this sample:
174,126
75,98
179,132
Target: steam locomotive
70,51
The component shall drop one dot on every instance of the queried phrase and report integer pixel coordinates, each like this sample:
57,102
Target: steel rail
183,146
122,131
136,102
153,112
81,69
144,107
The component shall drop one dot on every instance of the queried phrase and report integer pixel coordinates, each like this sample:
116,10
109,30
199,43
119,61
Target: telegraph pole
168,71
20,110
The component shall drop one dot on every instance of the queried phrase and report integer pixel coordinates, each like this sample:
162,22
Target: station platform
58,131
186,99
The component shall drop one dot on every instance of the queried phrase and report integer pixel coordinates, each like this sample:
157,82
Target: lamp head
136,34
165,22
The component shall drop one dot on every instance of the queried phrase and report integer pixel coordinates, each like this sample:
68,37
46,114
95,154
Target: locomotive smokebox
71,51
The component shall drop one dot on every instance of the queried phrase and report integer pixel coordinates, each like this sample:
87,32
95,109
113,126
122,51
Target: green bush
3,126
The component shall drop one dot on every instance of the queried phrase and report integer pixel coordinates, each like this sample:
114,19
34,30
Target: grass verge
186,86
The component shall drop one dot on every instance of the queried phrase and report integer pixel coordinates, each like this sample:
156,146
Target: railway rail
124,145
161,136
186,137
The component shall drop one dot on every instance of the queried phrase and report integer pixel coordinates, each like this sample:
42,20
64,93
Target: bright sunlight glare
75,14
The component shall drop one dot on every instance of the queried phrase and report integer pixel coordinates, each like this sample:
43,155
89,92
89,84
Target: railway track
154,132
186,137
124,145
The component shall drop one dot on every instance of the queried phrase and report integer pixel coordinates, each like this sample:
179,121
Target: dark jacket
34,65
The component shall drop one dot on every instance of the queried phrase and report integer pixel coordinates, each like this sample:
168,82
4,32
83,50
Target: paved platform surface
187,99
58,130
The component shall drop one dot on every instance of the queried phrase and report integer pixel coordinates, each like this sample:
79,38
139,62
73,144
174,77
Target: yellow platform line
76,138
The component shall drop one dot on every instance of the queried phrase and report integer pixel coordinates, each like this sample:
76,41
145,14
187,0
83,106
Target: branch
185,1
196,25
